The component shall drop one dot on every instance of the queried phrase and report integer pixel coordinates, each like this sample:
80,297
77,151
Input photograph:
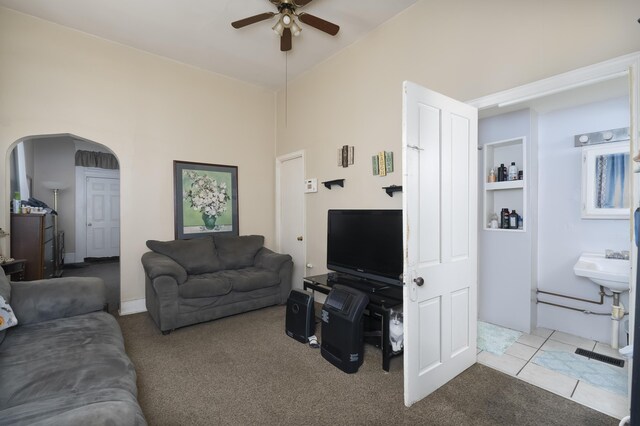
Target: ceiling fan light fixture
295,29
286,26
278,28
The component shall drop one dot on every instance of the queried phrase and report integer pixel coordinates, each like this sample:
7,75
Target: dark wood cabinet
14,269
32,239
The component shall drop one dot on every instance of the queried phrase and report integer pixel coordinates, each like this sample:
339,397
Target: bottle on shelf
513,171
504,218
492,175
493,222
501,173
513,220
520,175
16,202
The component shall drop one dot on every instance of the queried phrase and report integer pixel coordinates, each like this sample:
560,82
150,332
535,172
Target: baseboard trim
133,307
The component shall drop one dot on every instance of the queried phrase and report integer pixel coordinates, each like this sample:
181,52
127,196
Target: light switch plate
311,185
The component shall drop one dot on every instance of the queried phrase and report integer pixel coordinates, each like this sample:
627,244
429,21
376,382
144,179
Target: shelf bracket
328,184
391,189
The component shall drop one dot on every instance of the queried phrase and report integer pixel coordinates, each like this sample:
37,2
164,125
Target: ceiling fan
286,25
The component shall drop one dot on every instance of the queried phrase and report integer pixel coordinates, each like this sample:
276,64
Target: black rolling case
342,328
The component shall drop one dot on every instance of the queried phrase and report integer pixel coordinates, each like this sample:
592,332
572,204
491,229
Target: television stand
382,298
362,284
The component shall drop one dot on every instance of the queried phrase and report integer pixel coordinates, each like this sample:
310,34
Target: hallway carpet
244,370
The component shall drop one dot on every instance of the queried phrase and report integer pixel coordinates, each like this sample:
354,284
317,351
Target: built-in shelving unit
506,194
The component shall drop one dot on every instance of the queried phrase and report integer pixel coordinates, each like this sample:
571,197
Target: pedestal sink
610,273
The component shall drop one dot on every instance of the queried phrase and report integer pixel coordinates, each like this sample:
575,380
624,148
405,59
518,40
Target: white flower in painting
206,195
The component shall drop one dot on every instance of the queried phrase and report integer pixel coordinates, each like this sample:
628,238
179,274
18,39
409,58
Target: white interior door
439,157
291,205
103,217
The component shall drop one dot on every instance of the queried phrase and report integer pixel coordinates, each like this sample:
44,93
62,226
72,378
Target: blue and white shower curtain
611,171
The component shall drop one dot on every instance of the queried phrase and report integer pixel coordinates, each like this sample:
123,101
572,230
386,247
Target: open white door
439,157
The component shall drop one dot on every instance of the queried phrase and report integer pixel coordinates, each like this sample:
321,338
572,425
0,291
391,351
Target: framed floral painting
206,199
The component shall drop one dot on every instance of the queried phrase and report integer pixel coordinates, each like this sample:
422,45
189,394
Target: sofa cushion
196,256
252,278
94,407
65,365
238,252
204,285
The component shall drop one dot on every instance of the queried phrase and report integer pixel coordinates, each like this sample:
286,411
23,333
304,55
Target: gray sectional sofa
64,363
192,281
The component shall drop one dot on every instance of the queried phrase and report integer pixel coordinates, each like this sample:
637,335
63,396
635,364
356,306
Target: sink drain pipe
620,313
617,310
565,296
600,302
617,313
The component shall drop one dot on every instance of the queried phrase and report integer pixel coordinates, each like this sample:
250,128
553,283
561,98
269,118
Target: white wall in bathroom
506,270
562,234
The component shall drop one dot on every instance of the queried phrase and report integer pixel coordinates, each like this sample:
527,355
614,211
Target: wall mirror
605,181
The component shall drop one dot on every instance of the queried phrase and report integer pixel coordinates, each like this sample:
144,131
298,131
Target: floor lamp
56,187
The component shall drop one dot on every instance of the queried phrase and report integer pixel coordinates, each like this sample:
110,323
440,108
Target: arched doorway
84,176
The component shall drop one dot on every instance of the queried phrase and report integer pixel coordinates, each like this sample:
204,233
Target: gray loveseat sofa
64,363
192,281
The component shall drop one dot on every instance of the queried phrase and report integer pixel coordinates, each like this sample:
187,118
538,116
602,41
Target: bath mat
495,339
596,373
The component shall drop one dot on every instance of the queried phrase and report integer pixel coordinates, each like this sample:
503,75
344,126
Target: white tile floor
516,361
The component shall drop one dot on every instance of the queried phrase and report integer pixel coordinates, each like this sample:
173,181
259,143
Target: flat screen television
366,244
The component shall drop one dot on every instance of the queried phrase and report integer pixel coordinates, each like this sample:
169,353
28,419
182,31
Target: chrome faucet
612,254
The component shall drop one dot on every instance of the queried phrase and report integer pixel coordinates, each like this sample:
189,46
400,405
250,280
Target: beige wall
149,111
464,49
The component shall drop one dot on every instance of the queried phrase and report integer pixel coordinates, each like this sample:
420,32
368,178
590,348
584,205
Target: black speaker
301,319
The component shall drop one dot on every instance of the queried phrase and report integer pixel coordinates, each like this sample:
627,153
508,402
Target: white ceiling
199,32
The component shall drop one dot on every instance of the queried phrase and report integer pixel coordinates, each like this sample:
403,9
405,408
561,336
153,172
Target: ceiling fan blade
301,3
252,19
285,40
320,24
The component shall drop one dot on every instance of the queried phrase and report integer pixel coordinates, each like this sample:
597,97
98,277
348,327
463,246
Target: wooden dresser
32,239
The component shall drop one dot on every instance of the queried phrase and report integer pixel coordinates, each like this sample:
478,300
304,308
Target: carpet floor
244,370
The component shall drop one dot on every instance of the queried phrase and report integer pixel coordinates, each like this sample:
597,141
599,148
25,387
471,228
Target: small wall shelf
510,184
328,184
391,189
503,230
